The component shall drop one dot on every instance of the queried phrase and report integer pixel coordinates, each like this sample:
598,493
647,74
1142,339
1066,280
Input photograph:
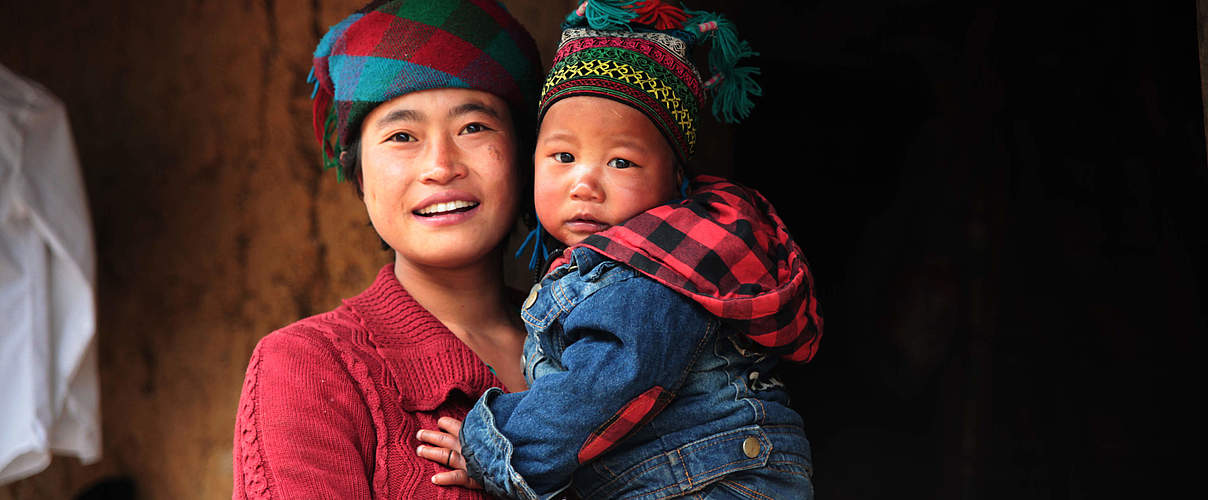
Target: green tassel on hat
732,94
330,155
732,85
661,26
606,14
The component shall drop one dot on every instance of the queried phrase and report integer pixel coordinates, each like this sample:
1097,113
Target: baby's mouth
586,224
445,208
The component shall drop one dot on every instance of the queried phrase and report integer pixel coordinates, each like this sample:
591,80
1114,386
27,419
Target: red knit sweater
331,404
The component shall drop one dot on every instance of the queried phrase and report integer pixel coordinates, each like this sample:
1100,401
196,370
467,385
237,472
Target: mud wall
1002,204
213,222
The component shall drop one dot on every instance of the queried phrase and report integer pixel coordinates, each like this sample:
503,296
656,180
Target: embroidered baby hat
638,52
390,48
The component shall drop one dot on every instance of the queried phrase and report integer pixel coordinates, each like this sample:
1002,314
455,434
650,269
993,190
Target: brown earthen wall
214,224
1002,204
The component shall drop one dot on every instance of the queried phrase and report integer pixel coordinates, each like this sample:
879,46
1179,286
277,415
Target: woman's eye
619,163
564,157
473,128
401,137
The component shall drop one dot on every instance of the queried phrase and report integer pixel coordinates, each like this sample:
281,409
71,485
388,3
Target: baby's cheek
545,202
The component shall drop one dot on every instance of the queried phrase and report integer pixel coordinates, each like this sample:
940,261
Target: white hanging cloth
49,395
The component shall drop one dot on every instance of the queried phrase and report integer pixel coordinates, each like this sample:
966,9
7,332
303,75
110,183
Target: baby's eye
564,158
401,137
473,128
619,163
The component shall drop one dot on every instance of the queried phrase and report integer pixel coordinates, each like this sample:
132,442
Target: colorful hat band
637,52
645,70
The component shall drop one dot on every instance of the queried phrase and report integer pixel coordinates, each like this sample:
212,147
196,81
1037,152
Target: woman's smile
446,208
443,208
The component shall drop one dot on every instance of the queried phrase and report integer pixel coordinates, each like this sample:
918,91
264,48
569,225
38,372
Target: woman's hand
445,449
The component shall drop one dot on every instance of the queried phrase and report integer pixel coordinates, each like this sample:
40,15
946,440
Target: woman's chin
449,252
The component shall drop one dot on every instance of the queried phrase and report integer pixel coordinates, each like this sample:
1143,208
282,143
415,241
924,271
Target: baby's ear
681,185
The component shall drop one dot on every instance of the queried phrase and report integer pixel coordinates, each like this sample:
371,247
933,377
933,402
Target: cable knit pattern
330,404
252,474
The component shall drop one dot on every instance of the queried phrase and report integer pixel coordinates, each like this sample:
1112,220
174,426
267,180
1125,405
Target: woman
426,107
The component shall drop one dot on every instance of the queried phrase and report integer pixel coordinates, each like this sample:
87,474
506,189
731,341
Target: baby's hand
446,450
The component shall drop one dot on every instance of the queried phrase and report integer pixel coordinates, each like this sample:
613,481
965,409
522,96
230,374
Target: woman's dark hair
350,165
350,168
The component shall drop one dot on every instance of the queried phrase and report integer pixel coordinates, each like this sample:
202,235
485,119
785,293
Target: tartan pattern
725,248
636,413
638,67
388,49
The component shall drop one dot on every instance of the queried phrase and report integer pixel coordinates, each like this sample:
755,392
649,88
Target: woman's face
438,175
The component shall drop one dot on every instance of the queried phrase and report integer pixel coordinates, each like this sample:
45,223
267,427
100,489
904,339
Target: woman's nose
442,162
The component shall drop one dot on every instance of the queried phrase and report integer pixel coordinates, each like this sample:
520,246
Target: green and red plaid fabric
388,49
724,247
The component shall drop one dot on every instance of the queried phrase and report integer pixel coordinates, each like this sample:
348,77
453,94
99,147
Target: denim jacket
635,391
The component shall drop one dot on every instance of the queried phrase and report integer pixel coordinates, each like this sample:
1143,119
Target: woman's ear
348,164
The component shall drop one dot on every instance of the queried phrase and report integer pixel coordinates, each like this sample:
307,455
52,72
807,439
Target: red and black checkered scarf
725,248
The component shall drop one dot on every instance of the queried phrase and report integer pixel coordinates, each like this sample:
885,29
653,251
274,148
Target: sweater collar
427,362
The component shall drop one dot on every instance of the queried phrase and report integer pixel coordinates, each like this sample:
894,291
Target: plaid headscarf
391,48
725,248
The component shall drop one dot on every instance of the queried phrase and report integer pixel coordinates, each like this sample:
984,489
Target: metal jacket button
532,296
750,446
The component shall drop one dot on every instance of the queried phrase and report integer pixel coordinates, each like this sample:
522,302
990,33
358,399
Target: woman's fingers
441,456
445,449
456,478
450,425
438,438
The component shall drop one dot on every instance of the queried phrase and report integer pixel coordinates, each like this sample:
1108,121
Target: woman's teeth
449,206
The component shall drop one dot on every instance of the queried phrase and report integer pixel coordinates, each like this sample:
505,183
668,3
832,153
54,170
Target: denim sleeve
622,341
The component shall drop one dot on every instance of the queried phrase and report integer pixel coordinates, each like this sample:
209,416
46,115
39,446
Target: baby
652,335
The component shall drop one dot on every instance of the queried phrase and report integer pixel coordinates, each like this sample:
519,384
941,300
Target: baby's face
598,162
